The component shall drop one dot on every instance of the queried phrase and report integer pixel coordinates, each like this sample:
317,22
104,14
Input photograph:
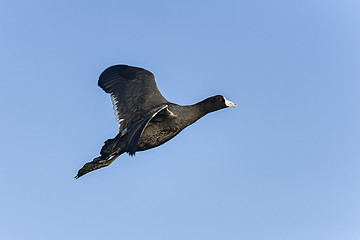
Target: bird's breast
157,133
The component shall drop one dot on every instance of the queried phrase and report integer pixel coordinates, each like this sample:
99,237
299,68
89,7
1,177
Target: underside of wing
136,128
133,91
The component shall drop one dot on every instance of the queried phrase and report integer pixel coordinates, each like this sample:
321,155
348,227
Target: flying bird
146,118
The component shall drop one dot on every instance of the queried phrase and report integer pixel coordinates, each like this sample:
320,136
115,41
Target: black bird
146,118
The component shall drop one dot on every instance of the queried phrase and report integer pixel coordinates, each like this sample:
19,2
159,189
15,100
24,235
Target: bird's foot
94,165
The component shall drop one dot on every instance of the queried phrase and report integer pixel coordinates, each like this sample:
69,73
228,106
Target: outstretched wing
133,91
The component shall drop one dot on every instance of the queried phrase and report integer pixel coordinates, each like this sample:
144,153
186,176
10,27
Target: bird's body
146,118
163,127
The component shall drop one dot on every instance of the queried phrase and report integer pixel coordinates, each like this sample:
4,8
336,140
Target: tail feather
110,146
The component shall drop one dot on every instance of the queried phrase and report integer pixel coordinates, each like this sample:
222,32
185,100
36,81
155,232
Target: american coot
146,118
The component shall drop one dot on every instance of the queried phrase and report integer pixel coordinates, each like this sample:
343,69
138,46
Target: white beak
229,104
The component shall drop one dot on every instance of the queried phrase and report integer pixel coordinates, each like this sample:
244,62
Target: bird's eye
220,99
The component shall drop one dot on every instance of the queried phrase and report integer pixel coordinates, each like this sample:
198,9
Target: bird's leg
96,164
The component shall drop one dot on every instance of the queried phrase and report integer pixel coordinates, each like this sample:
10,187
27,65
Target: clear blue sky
283,165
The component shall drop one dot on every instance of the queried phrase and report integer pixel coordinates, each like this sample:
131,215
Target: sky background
282,165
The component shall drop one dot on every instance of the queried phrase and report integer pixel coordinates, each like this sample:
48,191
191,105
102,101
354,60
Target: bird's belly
156,134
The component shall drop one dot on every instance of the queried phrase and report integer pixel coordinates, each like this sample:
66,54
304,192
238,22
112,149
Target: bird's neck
198,110
204,107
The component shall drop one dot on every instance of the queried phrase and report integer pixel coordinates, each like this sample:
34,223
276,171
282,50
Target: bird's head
216,103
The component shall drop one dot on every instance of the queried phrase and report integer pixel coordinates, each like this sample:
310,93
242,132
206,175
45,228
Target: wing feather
133,92
136,129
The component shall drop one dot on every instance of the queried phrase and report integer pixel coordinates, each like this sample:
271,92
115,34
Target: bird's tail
110,147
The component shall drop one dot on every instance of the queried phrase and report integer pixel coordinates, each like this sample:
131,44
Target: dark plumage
146,118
